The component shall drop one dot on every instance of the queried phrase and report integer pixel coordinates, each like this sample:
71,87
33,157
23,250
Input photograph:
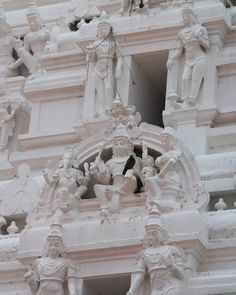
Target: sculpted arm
178,53
71,274
32,278
138,276
204,40
178,265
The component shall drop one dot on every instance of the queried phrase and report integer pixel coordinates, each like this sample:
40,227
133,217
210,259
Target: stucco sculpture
103,69
12,111
169,177
65,184
134,5
119,175
58,41
193,43
36,39
8,65
162,262
50,274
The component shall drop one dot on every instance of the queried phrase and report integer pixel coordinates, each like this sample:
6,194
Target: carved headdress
55,231
33,13
155,222
188,6
121,132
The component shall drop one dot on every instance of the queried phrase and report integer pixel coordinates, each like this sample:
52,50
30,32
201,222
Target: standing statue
102,60
36,39
193,43
12,113
162,262
8,65
118,176
65,184
52,273
134,5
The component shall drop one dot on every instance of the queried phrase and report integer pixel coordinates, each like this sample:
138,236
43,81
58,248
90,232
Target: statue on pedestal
162,262
8,65
51,273
104,67
65,184
119,175
193,43
36,39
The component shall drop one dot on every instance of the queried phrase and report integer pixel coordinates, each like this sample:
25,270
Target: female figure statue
100,86
193,43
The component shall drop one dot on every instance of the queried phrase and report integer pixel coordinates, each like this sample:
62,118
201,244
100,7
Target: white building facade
117,147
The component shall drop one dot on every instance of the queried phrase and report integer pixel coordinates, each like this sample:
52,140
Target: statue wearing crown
162,262
65,184
119,175
104,66
53,273
193,43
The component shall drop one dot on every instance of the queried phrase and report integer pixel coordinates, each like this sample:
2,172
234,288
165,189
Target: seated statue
161,262
193,42
65,184
118,176
36,39
164,188
50,274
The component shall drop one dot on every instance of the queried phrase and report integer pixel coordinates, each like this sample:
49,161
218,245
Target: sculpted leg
100,191
197,77
100,97
186,80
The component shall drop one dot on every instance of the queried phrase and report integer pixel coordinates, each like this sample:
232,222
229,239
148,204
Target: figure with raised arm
65,184
193,42
119,175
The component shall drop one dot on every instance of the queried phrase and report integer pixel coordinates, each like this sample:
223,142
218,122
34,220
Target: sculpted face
54,247
103,30
188,17
154,236
34,24
121,147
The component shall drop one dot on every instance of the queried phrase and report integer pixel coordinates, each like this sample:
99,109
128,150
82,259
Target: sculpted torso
104,54
191,44
36,41
52,273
